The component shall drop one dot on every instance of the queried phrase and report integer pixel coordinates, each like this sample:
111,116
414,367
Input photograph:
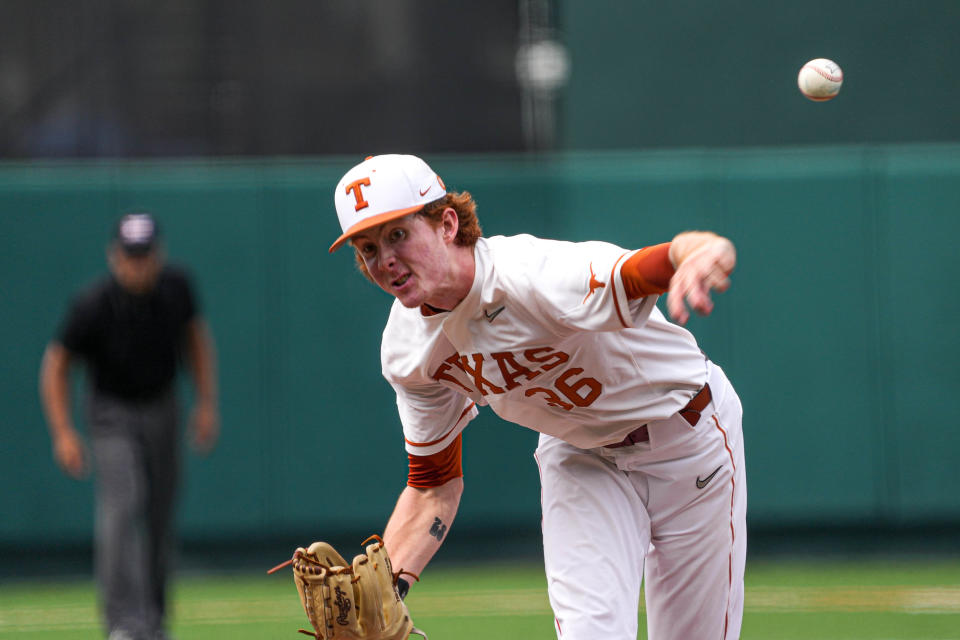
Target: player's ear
450,223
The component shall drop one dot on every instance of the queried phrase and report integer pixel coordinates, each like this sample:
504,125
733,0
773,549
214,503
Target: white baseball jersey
548,339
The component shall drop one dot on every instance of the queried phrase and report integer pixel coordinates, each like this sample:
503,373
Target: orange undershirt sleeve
647,272
435,470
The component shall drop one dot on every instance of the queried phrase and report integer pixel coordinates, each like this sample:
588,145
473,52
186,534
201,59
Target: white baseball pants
670,512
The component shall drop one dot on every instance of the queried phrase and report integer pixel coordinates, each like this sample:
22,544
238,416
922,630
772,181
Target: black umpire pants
137,461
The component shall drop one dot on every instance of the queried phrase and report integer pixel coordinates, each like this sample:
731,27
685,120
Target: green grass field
810,600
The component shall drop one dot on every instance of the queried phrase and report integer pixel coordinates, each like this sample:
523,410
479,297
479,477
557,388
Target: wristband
403,587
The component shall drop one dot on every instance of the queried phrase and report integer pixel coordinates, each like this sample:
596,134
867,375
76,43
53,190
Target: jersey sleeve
648,271
436,469
580,285
432,417
184,298
77,331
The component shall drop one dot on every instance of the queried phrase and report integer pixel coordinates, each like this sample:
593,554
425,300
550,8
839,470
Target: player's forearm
419,524
55,390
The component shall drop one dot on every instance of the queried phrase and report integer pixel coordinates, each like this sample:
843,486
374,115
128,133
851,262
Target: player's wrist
62,430
672,254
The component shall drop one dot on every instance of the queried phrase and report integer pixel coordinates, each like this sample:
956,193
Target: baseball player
640,451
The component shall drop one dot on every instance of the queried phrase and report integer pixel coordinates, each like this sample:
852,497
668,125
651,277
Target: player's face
408,258
136,274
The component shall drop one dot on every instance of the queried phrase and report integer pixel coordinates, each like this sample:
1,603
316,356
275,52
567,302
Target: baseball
820,79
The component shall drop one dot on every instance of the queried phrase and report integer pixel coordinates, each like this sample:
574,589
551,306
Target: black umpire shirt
132,344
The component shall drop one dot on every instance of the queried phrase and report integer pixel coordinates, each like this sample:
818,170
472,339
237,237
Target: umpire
132,329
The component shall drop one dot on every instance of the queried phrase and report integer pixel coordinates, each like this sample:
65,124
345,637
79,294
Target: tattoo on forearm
438,529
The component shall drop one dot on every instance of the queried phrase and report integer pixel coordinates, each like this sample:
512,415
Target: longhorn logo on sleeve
594,283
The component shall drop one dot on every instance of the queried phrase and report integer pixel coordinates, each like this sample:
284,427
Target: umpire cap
137,233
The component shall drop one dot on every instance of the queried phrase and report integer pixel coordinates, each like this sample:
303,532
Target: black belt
690,413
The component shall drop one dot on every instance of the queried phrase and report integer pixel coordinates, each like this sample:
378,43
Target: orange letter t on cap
355,187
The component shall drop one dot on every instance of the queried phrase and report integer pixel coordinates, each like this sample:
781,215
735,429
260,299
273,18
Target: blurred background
611,120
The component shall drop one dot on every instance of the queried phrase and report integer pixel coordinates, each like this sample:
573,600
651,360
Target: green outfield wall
649,74
839,330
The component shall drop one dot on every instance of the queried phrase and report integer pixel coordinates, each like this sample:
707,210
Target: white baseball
820,79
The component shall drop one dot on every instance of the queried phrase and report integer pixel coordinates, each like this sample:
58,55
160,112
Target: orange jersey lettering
550,360
511,370
476,371
580,390
441,374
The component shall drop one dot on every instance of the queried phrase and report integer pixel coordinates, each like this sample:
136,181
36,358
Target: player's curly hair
461,202
468,232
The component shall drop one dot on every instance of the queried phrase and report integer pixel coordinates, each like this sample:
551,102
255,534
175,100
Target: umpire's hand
70,453
204,427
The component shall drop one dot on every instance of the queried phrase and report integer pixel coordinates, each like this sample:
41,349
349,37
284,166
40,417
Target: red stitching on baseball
831,78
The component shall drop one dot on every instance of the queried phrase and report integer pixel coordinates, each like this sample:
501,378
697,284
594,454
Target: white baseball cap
382,188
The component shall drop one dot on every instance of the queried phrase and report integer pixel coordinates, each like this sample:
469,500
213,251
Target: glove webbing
397,582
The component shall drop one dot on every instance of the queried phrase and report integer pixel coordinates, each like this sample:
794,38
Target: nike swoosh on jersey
702,483
490,316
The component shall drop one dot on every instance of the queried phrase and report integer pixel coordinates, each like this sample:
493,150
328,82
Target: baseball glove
357,601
